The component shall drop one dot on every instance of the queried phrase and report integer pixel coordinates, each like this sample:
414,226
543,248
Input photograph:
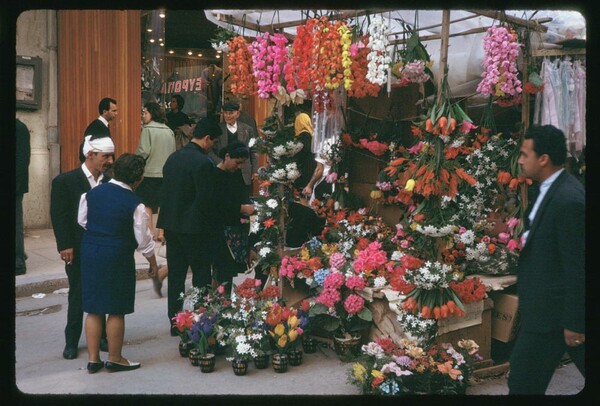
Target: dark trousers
534,358
75,306
20,266
186,250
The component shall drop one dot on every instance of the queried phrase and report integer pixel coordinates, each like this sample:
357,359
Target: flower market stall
427,204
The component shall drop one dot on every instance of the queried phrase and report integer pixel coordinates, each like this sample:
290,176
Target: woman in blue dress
116,224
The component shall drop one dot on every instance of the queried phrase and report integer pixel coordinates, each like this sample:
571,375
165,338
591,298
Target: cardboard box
505,316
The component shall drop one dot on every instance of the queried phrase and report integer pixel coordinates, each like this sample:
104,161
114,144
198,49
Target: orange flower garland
361,87
303,54
240,67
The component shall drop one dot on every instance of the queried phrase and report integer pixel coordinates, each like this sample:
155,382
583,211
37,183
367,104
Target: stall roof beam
502,16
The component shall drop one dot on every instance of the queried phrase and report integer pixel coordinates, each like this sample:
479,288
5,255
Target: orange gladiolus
398,161
504,177
442,124
514,182
429,125
465,176
452,125
444,311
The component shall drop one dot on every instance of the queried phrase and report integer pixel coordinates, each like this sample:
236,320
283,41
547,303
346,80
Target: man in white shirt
67,189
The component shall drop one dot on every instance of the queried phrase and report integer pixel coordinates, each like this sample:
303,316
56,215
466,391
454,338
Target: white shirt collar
232,128
93,182
119,183
103,120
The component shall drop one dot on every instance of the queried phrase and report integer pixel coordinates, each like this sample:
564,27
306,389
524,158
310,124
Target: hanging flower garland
303,54
346,42
500,63
361,87
331,50
378,59
240,67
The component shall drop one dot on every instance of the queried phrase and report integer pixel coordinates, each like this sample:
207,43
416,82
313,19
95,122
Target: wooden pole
443,53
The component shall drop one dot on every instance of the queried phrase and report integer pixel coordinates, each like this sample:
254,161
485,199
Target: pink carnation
355,282
329,297
370,258
354,304
334,280
337,260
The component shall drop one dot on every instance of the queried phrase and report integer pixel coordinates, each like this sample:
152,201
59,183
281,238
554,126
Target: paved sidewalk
40,368
46,271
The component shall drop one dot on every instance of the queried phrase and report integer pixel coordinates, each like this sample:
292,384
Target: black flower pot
184,348
240,366
295,357
280,363
207,362
194,357
261,361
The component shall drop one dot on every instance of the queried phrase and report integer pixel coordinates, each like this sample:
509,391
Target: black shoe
116,367
70,352
93,367
103,345
20,271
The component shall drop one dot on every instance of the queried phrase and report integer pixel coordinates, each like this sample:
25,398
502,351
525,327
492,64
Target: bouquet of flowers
284,325
389,368
202,332
339,309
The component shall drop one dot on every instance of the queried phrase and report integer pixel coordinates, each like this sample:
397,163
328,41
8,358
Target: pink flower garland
499,65
267,61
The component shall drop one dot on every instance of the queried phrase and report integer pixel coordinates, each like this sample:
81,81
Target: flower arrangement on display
404,368
500,77
413,64
285,325
243,322
240,67
221,37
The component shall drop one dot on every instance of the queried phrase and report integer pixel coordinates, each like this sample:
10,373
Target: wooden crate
480,333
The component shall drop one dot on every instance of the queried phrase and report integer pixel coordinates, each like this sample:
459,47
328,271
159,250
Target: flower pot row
206,362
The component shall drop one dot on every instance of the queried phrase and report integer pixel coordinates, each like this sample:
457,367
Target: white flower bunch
431,275
221,46
378,59
415,327
433,231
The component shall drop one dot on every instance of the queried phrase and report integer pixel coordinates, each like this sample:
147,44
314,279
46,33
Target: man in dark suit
23,155
99,127
233,130
551,276
67,189
187,213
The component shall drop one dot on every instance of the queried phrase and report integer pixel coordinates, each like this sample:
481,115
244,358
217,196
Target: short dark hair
235,150
129,168
549,140
156,111
180,101
105,104
207,126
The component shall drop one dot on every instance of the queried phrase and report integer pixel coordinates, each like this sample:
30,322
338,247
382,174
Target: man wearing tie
551,274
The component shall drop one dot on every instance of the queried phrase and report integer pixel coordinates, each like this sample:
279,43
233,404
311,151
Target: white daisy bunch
433,231
432,275
415,327
220,46
378,59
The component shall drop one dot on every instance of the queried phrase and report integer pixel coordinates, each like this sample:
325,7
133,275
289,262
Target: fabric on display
562,102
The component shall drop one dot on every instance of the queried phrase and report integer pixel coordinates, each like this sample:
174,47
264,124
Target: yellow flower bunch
345,40
359,372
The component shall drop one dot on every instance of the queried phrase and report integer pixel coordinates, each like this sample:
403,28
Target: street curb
50,285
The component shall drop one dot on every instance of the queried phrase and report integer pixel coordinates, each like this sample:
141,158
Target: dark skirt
107,277
149,191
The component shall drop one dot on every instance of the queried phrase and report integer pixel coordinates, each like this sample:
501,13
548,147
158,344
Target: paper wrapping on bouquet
497,282
472,317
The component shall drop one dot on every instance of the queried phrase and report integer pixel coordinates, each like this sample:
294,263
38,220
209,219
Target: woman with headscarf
305,159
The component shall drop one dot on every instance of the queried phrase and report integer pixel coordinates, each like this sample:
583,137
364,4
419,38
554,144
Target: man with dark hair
187,213
67,189
551,276
107,108
233,130
23,155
